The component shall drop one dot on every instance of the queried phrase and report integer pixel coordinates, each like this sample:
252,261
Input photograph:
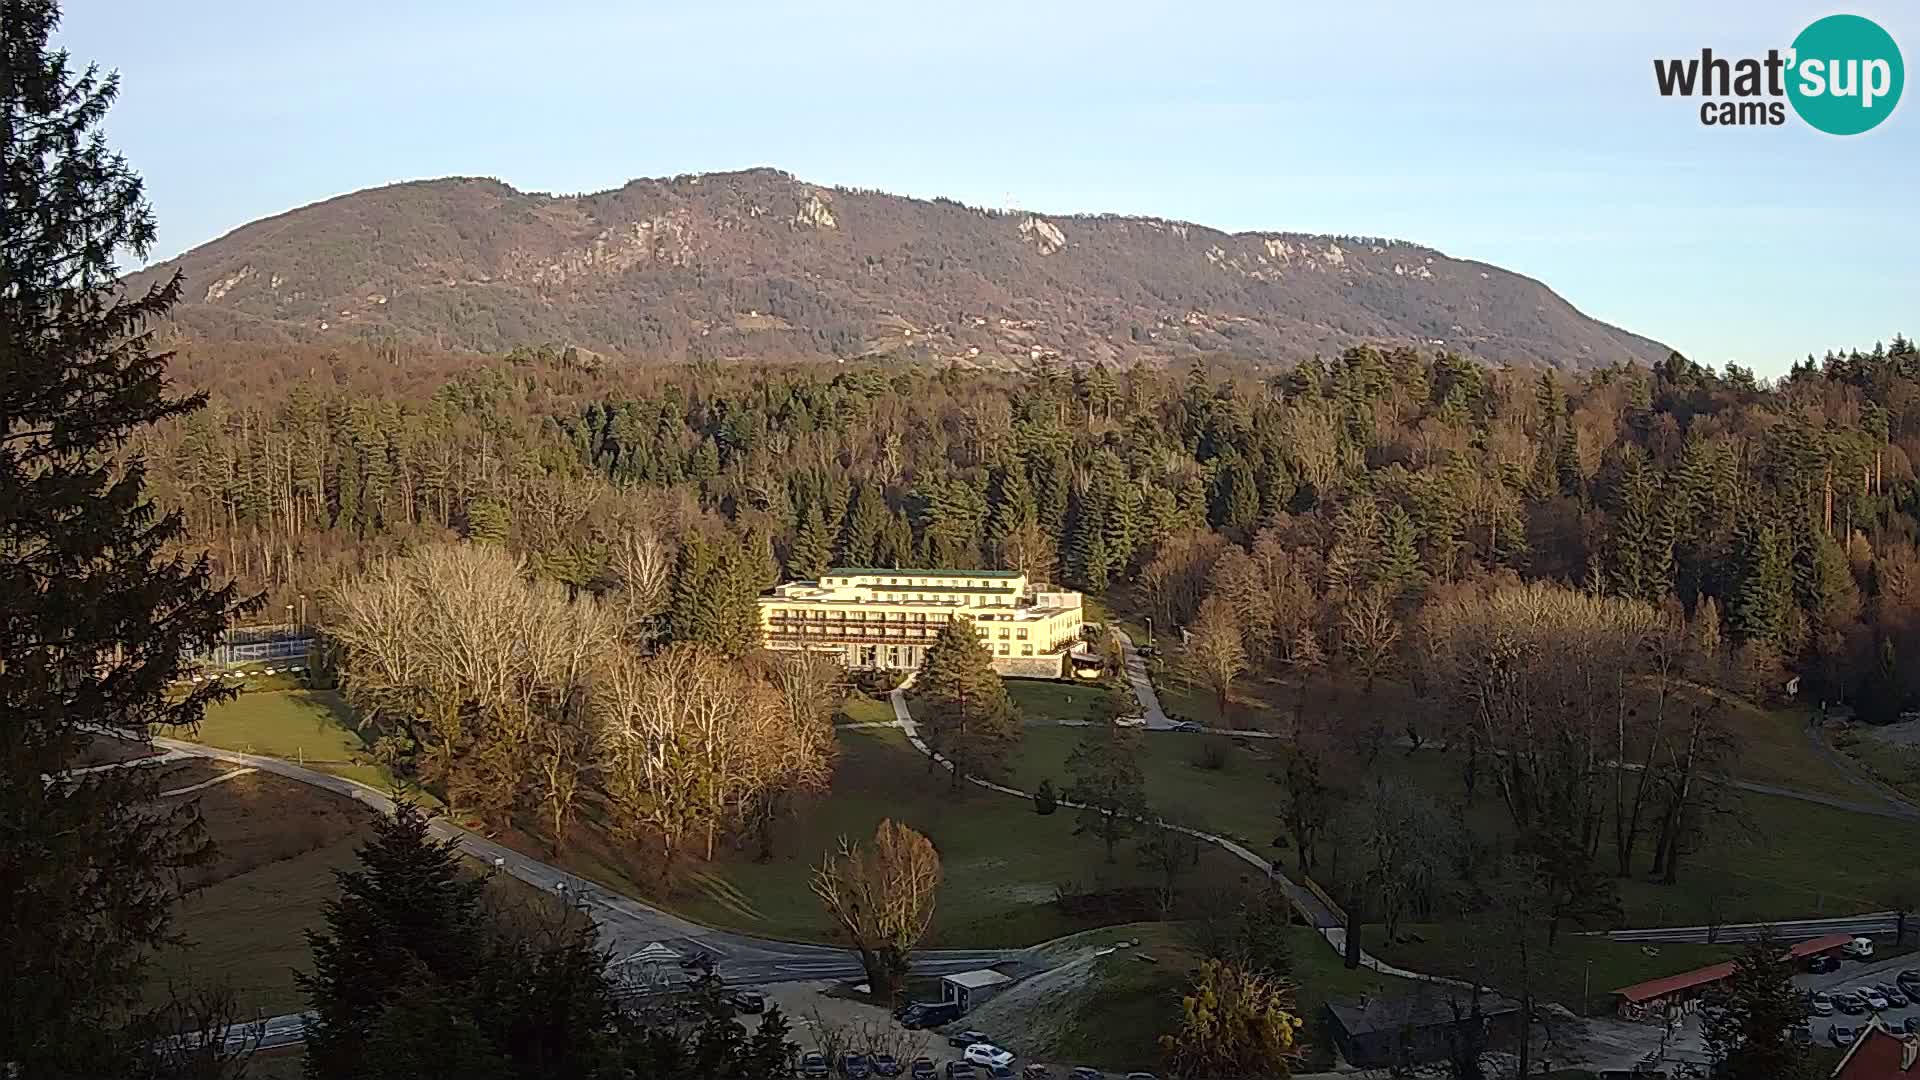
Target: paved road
1143,690
1884,922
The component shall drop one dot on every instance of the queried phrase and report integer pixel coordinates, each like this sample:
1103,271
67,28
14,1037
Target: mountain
758,264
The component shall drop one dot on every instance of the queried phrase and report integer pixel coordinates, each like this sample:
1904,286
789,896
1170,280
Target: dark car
1840,1036
1189,726
1084,1073
1849,1003
1141,1076
1036,1072
961,1070
886,1065
697,960
1821,965
999,1072
1911,1026
922,1069
813,1064
926,1014
1895,999
1802,1035
752,1002
900,1010
854,1066
1910,980
968,1038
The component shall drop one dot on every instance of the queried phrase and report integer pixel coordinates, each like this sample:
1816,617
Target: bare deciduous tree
882,898
1215,655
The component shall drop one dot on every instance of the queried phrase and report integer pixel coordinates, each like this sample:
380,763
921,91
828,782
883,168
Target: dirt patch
261,818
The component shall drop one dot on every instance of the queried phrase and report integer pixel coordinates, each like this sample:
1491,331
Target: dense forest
1784,515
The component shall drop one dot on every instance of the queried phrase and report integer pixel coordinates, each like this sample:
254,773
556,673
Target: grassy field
1043,699
1117,1021
1000,861
861,709
312,727
1770,857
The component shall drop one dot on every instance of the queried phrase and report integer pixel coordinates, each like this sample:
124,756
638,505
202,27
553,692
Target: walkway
1143,690
1323,919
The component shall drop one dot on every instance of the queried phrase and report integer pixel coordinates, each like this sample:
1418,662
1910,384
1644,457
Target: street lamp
303,611
289,618
1149,619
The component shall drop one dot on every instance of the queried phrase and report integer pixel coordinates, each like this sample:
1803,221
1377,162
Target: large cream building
887,619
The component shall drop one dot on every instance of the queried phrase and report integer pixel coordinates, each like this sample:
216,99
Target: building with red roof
1653,994
1879,1054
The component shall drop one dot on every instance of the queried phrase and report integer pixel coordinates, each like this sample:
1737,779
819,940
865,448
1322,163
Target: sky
1525,134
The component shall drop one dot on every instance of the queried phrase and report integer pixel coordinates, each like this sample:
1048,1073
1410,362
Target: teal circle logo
1846,75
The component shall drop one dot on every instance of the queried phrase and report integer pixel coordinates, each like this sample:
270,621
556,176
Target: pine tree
969,718
808,558
1010,503
867,520
1765,591
1748,1026
97,612
1398,568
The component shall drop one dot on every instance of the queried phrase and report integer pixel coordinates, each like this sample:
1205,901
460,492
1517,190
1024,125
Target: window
1003,633
1003,650
1026,650
1022,633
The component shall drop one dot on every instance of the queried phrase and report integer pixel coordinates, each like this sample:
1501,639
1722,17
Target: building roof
974,980
1653,989
1375,1015
1879,1054
915,572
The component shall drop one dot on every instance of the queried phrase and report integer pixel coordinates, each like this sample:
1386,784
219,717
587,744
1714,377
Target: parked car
1141,1076
985,1053
1802,1035
1909,981
1190,726
1851,1004
1820,1004
961,1070
854,1066
1859,948
1911,1026
903,1008
922,1069
886,1065
752,1002
1084,1073
1873,998
1824,964
1895,998
999,1072
1130,721
968,1038
928,1014
1840,1036
813,1065
1036,1072
699,959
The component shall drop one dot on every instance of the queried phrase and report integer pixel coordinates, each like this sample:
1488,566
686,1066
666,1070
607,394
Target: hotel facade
887,619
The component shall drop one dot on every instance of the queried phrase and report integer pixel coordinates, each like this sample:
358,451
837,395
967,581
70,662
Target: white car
988,1055
1874,998
1859,948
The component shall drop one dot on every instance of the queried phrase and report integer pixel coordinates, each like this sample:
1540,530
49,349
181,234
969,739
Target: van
1859,948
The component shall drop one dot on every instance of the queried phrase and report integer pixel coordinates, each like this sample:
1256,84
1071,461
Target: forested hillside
758,265
1781,519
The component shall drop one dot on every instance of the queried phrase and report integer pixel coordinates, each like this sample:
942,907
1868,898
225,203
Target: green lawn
1117,1021
1046,699
312,727
861,709
1237,800
1000,861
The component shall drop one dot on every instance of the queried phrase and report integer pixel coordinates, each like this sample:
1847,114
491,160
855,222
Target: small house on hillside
1378,1033
970,988
1879,1054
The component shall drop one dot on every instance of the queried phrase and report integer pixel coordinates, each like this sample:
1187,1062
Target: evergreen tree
97,611
487,521
867,520
1398,568
1749,1025
1010,503
1236,495
1760,604
969,718
808,558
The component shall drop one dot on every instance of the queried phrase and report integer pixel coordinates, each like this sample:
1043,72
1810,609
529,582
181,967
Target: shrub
1044,800
1212,755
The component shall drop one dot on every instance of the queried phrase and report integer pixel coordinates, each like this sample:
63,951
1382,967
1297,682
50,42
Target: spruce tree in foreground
1749,1025
95,612
968,717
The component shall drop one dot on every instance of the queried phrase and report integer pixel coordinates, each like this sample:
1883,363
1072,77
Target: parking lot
1856,975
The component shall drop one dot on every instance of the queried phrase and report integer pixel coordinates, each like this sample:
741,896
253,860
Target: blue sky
1525,134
